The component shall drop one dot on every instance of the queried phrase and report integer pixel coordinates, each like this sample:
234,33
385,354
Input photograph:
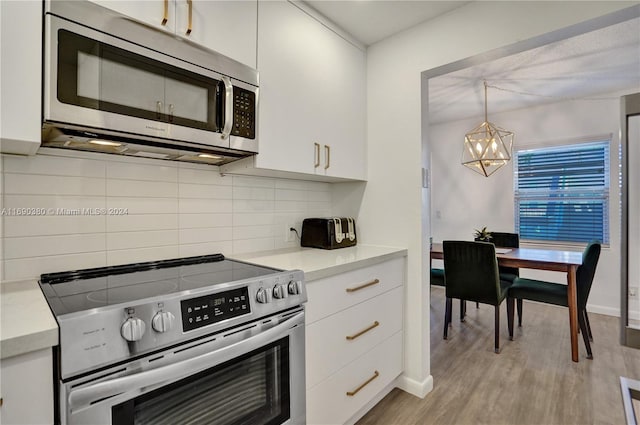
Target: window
562,193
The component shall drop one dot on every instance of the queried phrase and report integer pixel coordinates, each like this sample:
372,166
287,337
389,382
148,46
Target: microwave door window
191,100
104,77
121,87
100,76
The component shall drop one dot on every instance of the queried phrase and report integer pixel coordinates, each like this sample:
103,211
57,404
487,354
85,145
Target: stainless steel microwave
116,85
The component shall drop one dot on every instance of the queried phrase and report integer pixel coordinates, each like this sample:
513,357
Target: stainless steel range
198,340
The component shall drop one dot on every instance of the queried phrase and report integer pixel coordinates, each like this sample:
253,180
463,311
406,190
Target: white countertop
321,263
26,322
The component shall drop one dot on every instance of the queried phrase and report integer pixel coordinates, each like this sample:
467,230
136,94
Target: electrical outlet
633,291
289,235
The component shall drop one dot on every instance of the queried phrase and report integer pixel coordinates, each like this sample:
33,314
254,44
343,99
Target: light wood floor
532,380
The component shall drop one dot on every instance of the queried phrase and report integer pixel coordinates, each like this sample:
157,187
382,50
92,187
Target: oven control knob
163,321
280,291
132,329
263,296
294,287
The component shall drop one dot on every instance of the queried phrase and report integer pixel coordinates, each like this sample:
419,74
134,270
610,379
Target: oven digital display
203,311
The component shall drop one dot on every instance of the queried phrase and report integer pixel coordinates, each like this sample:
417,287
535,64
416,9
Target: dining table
541,259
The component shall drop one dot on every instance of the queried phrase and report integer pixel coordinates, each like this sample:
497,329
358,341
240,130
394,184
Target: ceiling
369,21
590,65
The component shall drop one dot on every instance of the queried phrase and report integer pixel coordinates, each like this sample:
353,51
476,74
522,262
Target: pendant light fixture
487,147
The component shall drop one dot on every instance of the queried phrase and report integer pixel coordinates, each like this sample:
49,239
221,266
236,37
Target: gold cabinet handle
327,151
364,384
362,332
316,164
189,27
366,285
165,15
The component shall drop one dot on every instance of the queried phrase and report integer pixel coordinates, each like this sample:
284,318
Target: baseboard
607,311
413,387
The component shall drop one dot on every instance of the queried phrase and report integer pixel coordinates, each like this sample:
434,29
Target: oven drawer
330,295
329,403
338,339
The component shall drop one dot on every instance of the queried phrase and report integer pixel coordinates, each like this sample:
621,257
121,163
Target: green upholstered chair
471,273
555,293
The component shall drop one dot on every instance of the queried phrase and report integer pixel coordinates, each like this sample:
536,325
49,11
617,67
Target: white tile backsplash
148,189
132,223
205,191
39,246
205,220
52,225
130,205
166,210
144,239
39,184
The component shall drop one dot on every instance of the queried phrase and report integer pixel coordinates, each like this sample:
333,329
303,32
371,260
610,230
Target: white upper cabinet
228,27
312,98
157,13
21,62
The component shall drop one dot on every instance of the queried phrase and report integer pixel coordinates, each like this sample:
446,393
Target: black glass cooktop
79,290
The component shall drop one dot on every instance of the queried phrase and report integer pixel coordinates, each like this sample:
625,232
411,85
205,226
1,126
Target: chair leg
510,308
585,334
477,304
586,319
519,303
447,316
496,346
463,310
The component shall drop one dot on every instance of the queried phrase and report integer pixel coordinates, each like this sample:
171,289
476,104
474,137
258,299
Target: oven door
248,375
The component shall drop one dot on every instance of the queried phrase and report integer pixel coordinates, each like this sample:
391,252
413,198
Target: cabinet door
26,388
312,85
149,11
20,65
228,26
290,116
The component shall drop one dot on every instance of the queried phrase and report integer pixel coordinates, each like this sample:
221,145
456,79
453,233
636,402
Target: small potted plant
482,235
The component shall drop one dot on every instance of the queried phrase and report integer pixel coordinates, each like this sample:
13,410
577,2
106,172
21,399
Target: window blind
562,193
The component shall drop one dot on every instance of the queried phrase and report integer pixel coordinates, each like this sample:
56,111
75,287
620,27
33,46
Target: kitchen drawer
330,295
328,402
327,346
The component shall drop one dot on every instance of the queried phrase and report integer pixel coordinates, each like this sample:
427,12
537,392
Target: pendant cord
485,102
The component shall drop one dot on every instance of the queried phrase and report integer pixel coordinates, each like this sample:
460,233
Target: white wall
172,210
458,190
394,204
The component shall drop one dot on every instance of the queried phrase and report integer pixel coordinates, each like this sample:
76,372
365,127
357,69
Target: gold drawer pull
354,392
366,285
364,331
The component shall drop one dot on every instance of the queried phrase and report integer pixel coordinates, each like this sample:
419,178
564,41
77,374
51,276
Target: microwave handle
134,383
228,107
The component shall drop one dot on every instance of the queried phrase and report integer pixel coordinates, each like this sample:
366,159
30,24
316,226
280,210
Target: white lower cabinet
354,340
26,389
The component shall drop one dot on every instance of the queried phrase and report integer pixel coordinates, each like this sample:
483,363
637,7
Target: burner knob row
280,291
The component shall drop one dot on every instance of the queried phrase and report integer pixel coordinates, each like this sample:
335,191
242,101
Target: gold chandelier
487,147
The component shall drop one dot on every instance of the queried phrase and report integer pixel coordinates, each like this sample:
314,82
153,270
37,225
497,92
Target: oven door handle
135,383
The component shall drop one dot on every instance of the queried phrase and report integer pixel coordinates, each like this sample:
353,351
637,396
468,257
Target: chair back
586,271
471,271
506,240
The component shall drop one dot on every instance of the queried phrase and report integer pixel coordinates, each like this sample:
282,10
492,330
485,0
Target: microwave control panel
244,113
213,308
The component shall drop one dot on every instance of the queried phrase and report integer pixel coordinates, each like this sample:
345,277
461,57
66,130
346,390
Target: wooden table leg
573,311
